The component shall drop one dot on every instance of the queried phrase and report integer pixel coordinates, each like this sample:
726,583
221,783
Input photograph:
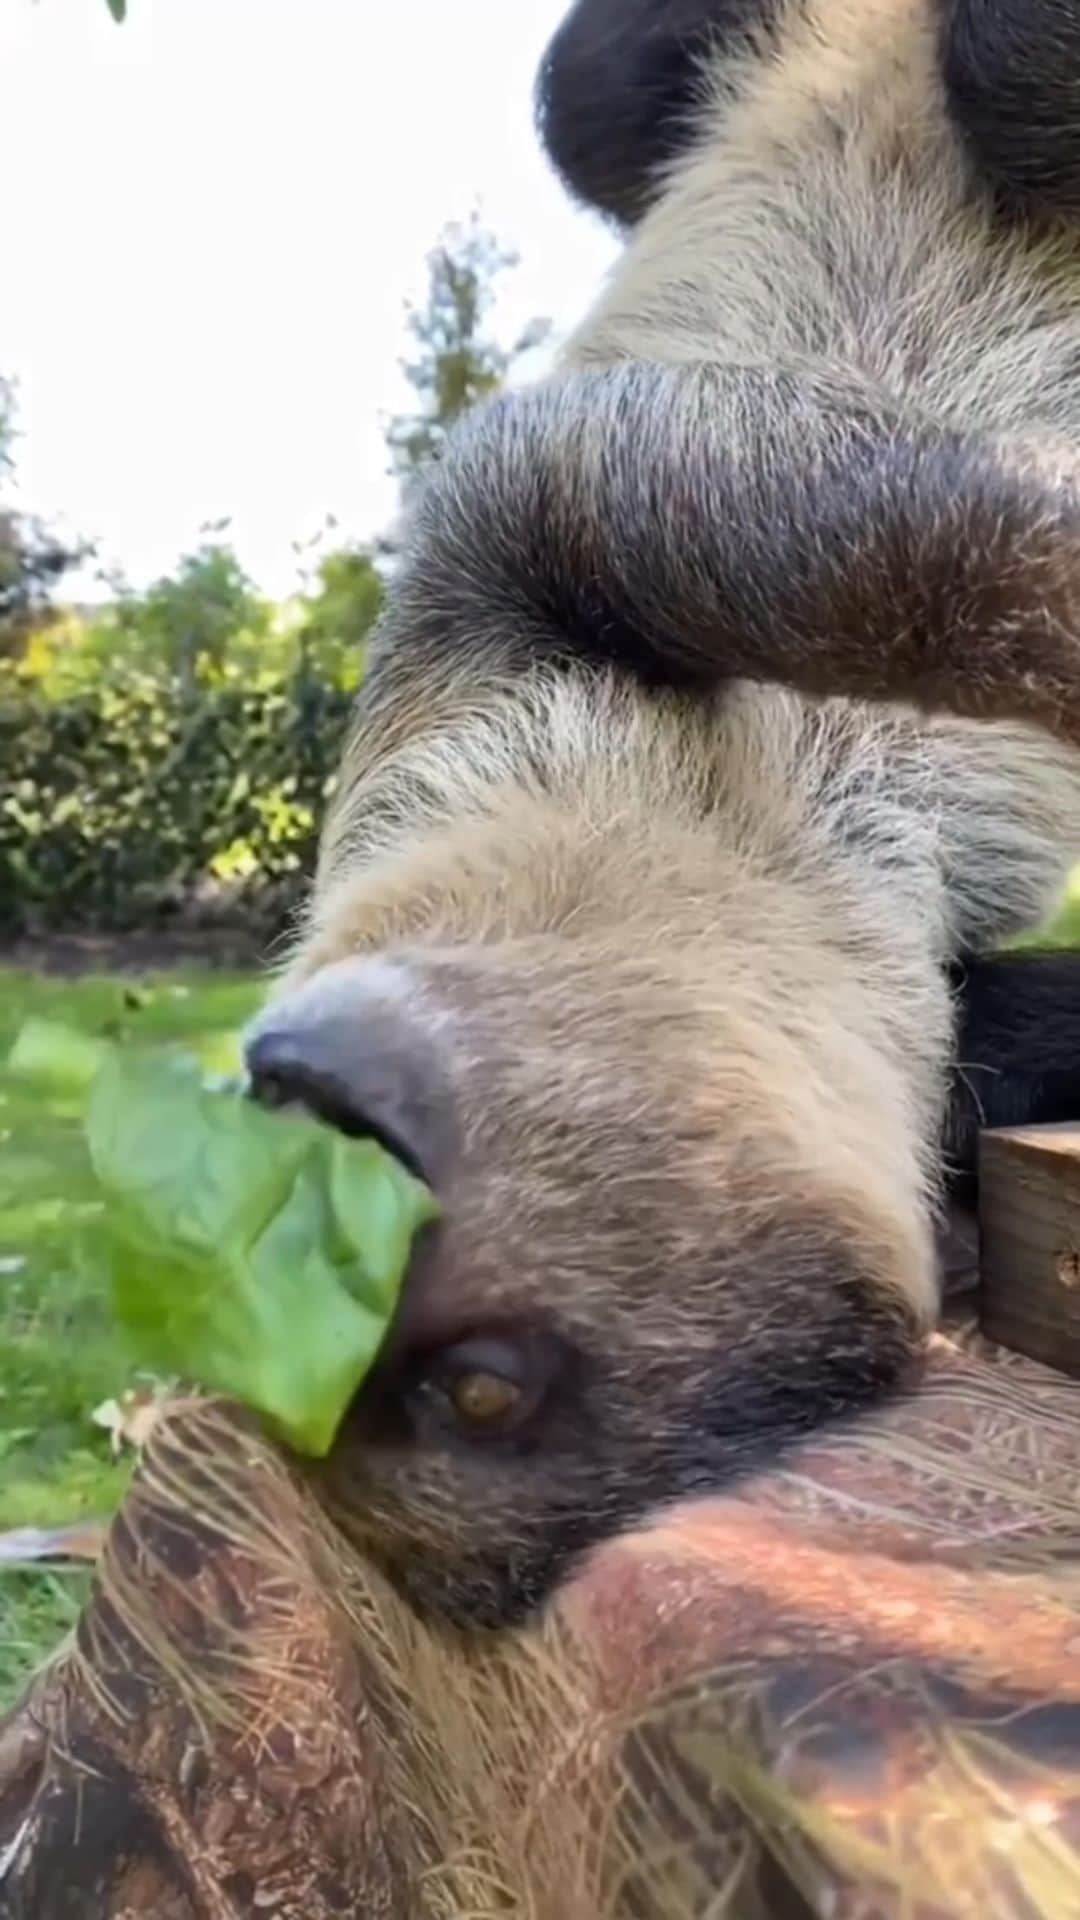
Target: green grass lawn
58,1356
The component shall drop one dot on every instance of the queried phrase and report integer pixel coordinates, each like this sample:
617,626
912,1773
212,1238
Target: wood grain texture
1029,1217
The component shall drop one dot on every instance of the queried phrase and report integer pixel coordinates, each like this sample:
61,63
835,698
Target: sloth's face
633,1290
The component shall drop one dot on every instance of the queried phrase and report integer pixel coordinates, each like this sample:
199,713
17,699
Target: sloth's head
663,1244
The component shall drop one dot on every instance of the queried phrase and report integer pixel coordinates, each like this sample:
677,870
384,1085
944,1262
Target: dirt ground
69,954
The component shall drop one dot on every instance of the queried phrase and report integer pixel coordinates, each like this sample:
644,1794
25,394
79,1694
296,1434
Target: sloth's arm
703,523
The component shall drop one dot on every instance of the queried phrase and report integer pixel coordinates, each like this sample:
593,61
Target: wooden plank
1029,1241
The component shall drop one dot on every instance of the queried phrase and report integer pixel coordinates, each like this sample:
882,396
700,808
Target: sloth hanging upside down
724,718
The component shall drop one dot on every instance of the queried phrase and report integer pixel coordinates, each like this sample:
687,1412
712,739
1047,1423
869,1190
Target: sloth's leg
1012,77
619,85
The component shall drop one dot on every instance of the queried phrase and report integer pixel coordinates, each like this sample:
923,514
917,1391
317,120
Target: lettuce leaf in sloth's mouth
258,1254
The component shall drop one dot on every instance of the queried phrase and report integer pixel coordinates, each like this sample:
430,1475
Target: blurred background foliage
165,758
166,755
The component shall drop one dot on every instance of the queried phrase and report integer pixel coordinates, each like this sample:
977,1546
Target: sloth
722,723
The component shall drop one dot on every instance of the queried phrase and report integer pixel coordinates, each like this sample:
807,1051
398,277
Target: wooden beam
1029,1241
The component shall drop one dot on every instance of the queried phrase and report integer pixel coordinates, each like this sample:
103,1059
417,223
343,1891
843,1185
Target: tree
32,560
341,606
194,615
458,362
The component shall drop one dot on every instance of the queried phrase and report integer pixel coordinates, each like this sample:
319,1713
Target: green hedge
128,803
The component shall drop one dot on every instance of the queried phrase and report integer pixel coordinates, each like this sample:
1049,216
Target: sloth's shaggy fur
651,909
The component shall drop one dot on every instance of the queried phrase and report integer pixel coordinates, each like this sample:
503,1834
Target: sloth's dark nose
374,1076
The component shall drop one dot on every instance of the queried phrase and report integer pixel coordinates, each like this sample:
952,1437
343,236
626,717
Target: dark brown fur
872,555
479,1529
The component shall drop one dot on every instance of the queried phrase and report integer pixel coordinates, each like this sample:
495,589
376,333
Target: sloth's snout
361,1060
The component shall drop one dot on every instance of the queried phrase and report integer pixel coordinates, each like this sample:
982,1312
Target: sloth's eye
484,1399
486,1386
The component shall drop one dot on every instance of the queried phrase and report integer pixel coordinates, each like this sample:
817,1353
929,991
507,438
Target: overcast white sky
213,216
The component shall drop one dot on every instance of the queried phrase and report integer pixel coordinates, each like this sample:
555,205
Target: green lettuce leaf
259,1254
